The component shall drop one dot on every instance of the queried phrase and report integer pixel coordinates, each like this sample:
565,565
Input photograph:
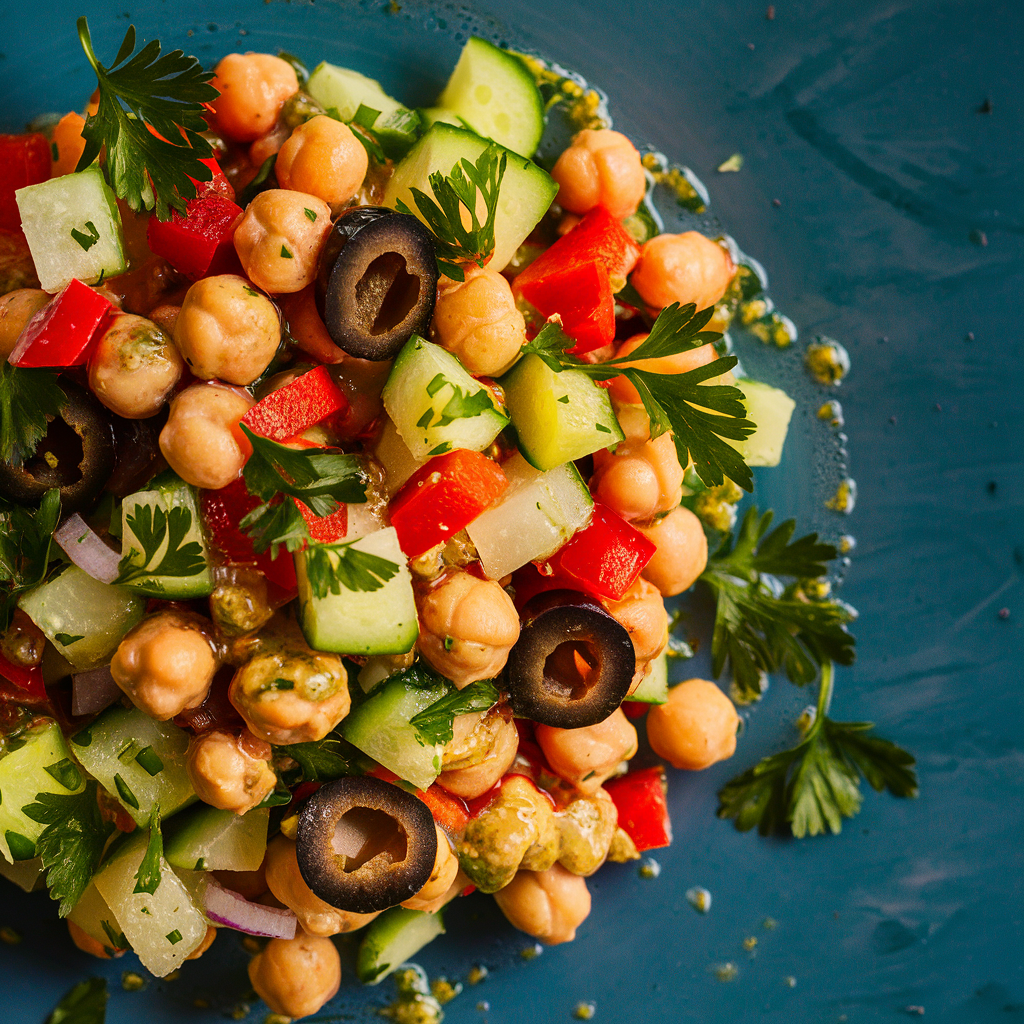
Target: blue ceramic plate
882,190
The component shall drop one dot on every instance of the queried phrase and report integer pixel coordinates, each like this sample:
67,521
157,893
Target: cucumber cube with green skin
435,405
138,760
164,926
525,194
82,617
392,939
380,728
365,622
207,839
40,763
73,229
654,688
771,409
558,417
537,514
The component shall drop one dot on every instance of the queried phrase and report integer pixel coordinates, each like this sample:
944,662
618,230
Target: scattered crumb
776,202
584,1011
734,163
726,972
649,868
483,1006
750,943
699,898
789,981
132,982
477,974
770,13
1004,613
769,924
985,108
532,952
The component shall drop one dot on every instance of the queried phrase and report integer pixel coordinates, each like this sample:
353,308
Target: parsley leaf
275,524
331,568
455,200
434,724
323,760
72,842
27,398
147,878
810,788
153,526
86,1003
25,541
139,92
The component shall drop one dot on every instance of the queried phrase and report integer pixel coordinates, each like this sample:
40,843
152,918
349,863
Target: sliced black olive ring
376,281
572,664
364,845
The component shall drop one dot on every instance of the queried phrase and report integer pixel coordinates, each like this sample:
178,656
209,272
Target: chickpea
600,168
227,330
67,143
586,827
230,770
586,757
467,628
279,239
201,439
250,884
287,885
166,663
324,158
642,612
291,696
696,726
477,321
134,367
442,875
549,905
16,309
296,977
623,391
87,944
682,268
640,479
253,88
482,748
269,144
682,551
165,316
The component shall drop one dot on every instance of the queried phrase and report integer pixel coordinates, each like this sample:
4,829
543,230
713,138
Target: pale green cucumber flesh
204,838
771,409
654,688
392,939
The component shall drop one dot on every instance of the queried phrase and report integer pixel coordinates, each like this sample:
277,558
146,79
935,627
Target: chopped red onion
232,910
93,691
87,549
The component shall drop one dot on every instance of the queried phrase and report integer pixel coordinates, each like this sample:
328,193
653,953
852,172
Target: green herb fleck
86,239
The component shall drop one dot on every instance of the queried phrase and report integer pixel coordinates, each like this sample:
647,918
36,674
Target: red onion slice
87,549
93,691
230,909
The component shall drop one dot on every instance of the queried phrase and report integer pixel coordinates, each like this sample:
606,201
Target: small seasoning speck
477,974
483,1006
776,202
1004,613
132,982
584,1011
532,952
978,238
10,936
277,1018
201,1004
789,981
892,420
726,972
733,164
240,1011
938,407
985,108
750,46
969,336
649,868
770,13
699,898
769,924
914,1011
444,991
846,544
750,943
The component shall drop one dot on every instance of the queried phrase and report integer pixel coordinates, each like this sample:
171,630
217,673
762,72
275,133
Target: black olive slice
76,455
364,845
376,281
572,664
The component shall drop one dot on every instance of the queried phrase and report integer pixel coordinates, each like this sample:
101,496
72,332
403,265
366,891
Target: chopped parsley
86,1003
332,568
159,530
26,537
147,878
434,724
86,239
29,398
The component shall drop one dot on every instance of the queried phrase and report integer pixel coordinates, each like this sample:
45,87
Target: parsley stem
824,692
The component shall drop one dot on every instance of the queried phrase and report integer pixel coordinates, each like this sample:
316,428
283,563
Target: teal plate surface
887,208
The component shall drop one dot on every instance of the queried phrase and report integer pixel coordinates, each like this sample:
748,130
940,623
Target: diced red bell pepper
443,497
449,811
218,184
606,557
581,294
325,529
24,160
305,402
62,333
202,242
640,800
634,709
27,678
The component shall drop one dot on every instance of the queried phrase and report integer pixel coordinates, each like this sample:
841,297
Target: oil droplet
790,981
726,972
847,543
584,1011
827,361
845,497
649,868
699,898
532,952
477,974
806,719
483,1006
832,412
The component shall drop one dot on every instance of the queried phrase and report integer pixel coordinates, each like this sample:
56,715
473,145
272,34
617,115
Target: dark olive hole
386,293
364,832
58,459
571,669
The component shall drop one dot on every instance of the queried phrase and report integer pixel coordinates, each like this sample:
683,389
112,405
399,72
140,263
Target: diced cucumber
73,229
537,514
97,920
163,927
654,688
345,91
525,195
168,491
82,617
27,875
394,455
436,405
206,839
138,760
379,621
430,116
559,417
494,93
392,939
380,728
771,409
40,764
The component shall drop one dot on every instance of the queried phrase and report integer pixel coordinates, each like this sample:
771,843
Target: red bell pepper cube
443,497
606,557
218,184
581,294
202,242
640,800
327,529
27,678
62,333
24,160
307,401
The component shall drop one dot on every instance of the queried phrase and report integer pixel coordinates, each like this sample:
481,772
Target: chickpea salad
349,452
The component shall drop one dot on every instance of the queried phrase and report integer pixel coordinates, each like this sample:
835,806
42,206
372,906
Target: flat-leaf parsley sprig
455,198
143,91
700,416
152,526
331,568
28,399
